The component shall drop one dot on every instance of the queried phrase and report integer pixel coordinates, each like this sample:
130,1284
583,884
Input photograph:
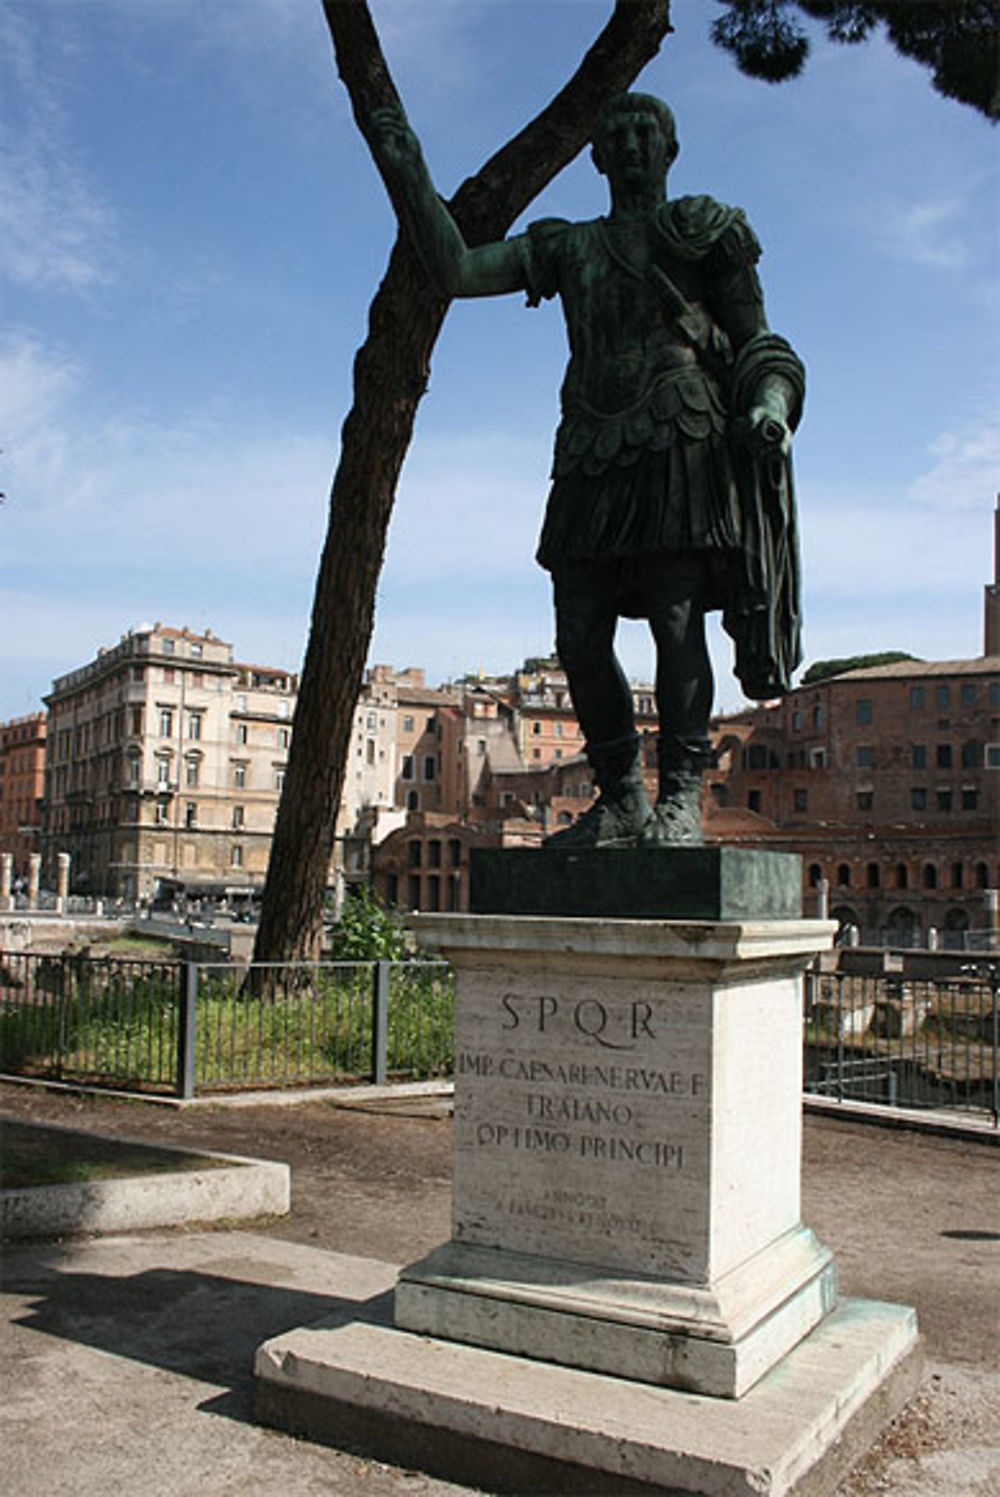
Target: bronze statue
671,484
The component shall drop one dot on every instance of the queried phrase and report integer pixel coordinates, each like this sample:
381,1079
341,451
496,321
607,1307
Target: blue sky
190,235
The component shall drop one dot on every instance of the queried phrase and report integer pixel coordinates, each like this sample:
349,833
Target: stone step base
511,1424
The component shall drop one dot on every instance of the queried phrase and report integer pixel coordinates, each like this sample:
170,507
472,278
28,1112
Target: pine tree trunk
390,375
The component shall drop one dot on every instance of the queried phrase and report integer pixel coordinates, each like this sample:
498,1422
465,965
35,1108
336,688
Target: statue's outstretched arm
454,268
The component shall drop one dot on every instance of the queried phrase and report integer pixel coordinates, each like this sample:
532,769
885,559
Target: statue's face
633,149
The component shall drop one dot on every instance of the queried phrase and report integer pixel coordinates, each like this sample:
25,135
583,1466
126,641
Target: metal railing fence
186,1028
189,1028
916,1043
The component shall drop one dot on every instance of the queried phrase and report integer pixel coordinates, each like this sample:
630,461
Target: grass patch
34,1155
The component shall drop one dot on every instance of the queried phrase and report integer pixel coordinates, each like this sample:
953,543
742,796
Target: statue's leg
684,697
586,618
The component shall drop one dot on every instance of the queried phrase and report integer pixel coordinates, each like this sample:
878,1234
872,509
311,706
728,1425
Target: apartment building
164,764
886,780
22,780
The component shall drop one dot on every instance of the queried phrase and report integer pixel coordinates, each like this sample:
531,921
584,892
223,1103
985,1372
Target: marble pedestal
627,1141
629,1302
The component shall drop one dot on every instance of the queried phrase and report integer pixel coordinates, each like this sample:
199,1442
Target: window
240,776
195,650
434,854
413,800
993,756
430,767
756,757
753,800
942,696
918,755
844,875
194,725
480,745
557,754
197,679
800,800
414,891
917,698
191,814
536,727
967,692
982,875
559,730
242,733
414,854
817,758
944,798
162,770
166,722
241,704
406,770
970,798
815,875
930,878
238,818
284,737
136,721
902,876
371,722
192,769
956,875
918,798
942,756
864,800
796,722
160,813
994,693
407,724
864,756
279,779
369,751
236,856
433,892
863,711
454,852
134,765
872,876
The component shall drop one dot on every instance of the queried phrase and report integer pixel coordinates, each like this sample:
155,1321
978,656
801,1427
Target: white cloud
965,468
56,231
926,233
469,506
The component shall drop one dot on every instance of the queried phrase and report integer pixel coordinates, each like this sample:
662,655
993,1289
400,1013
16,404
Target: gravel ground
912,1218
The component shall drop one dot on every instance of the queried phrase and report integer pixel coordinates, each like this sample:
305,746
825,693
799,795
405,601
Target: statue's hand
394,140
765,429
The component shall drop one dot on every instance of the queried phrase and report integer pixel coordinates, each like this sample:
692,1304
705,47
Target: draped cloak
668,344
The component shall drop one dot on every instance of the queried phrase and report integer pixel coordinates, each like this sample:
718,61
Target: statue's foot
616,819
676,818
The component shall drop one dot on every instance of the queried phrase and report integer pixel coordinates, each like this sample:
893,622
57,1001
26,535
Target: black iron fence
916,1043
187,1028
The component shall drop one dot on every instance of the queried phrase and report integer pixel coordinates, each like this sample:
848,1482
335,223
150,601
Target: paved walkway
126,1361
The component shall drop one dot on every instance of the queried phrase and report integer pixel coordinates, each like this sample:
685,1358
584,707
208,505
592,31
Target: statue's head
631,105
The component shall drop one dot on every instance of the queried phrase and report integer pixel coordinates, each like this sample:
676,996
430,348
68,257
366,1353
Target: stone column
34,879
6,880
991,902
823,899
62,881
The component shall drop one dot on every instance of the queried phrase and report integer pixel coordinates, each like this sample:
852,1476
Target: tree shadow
197,1325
